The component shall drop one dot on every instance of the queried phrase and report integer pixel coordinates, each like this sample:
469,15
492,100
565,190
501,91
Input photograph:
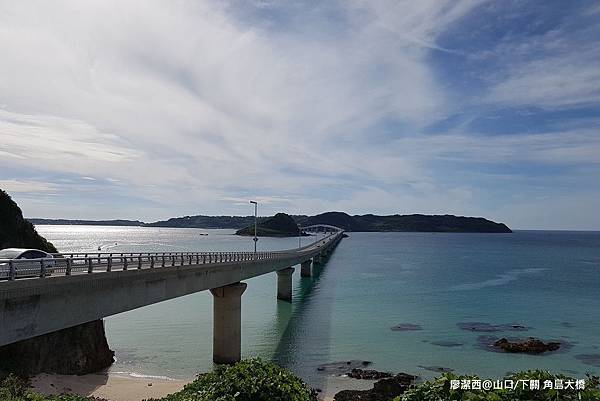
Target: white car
27,262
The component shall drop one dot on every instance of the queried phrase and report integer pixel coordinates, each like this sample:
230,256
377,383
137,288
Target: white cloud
186,95
567,81
27,186
184,107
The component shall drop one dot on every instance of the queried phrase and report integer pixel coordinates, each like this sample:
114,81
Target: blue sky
153,109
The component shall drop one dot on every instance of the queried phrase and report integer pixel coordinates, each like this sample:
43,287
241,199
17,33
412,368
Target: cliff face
77,350
74,351
15,231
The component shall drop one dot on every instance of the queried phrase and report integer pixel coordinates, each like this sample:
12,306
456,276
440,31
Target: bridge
40,296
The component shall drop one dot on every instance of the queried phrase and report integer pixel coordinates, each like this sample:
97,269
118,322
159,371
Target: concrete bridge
45,295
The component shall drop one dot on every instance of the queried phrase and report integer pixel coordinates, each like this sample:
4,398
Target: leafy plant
248,380
14,388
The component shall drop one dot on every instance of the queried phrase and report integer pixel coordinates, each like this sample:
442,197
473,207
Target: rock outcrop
368,374
74,351
528,346
77,350
383,390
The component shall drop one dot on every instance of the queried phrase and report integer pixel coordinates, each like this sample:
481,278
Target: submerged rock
447,343
367,374
383,390
406,327
489,328
528,346
343,367
438,369
589,359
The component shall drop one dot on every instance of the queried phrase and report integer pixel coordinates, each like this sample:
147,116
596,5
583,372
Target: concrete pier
284,284
105,284
227,323
306,268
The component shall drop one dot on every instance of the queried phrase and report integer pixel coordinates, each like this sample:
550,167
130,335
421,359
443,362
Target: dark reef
383,390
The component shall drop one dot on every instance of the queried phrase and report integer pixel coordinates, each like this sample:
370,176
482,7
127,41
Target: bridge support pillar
305,268
227,323
318,259
284,284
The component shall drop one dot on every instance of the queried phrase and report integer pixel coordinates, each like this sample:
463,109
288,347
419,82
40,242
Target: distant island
367,222
280,225
67,222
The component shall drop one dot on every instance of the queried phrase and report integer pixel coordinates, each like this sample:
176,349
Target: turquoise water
547,281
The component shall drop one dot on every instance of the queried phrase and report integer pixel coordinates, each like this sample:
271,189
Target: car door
26,266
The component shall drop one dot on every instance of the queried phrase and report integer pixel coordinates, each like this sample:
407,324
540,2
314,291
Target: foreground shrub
440,390
14,388
248,380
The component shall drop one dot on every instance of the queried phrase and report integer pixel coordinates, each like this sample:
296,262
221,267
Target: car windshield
10,253
34,255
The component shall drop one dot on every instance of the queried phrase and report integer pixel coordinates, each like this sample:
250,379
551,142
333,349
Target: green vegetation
13,388
248,380
15,231
280,225
439,390
257,380
407,223
367,222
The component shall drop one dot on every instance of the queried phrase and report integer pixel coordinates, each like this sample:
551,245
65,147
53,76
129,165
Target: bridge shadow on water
305,325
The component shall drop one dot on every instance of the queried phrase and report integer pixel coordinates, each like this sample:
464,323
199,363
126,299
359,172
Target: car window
33,255
39,254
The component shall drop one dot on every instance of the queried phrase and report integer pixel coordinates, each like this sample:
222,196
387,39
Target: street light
299,236
255,225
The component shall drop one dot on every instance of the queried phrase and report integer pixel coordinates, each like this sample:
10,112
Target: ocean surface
547,281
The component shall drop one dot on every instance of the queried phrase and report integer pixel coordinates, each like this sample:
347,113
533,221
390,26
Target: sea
419,303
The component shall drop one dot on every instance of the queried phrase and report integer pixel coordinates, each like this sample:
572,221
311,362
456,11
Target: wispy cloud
166,108
27,186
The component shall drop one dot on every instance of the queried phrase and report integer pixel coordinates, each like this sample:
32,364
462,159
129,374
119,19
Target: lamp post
299,236
255,225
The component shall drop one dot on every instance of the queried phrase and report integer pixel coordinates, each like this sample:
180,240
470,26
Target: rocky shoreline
383,390
77,350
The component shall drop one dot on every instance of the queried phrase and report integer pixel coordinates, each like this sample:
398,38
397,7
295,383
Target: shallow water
546,281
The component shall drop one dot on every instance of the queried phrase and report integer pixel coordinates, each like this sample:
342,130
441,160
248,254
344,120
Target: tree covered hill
15,231
366,222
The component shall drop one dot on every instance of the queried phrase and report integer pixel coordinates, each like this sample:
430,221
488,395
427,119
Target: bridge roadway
73,289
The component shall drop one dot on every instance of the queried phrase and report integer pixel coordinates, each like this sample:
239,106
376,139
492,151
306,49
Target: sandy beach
112,387
116,387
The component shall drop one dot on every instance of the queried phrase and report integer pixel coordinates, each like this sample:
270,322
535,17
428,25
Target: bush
439,390
14,388
248,380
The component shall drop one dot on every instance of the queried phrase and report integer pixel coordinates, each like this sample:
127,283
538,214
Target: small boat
203,234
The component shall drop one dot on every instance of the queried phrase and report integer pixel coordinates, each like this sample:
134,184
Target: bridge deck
77,289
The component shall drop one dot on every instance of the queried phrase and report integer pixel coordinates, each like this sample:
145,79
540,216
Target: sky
155,109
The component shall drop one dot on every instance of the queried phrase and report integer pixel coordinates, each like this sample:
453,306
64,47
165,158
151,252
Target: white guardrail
90,262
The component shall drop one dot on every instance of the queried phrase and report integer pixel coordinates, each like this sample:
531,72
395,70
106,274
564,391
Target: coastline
125,387
109,386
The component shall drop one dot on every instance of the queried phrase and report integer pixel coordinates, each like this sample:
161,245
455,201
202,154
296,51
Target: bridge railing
95,262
